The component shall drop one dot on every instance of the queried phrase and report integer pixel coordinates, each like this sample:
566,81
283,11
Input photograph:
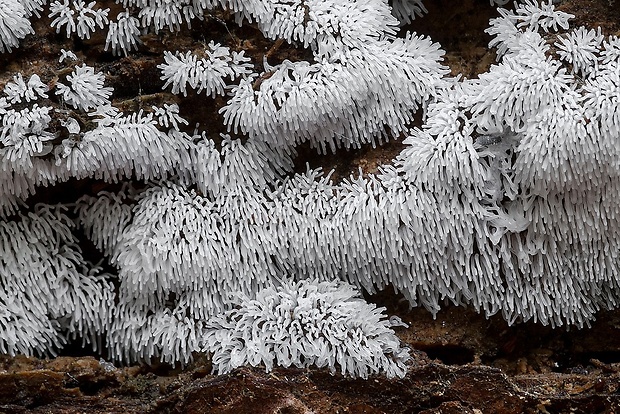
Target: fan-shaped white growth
78,17
24,136
327,23
339,103
580,48
236,165
528,18
539,16
315,22
563,159
310,323
53,293
113,149
14,24
18,89
600,100
122,145
611,49
194,247
138,334
559,167
166,13
104,217
206,73
521,86
123,34
86,90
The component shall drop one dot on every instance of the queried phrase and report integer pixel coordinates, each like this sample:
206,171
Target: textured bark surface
77,385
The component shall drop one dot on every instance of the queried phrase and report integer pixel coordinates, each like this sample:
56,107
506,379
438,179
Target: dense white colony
505,198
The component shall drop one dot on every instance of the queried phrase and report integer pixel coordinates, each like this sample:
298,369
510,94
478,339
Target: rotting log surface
80,385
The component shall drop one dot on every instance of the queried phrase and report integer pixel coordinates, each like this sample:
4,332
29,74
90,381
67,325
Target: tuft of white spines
50,293
85,90
309,323
123,34
78,17
19,90
14,24
206,73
